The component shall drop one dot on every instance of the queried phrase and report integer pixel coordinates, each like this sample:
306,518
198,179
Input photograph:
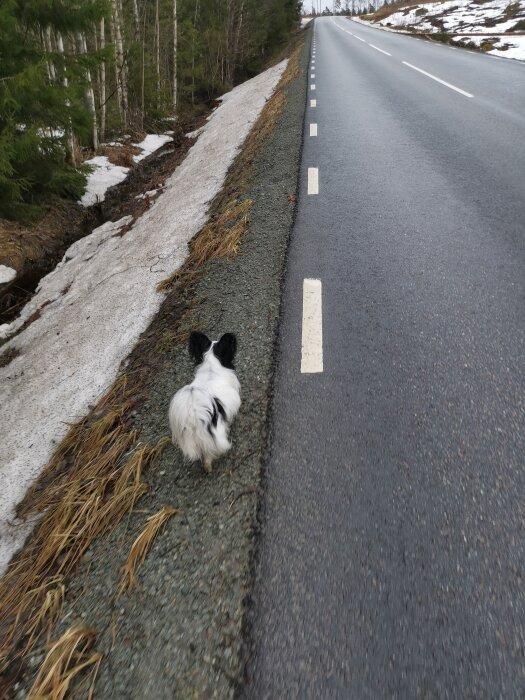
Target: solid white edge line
313,103
378,49
313,180
312,330
438,80
313,129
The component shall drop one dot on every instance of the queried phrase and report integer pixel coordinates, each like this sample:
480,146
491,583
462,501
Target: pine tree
42,93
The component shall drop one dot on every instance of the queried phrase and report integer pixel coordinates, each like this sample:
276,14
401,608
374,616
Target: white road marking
313,180
313,129
312,86
312,335
358,37
378,49
438,80
313,103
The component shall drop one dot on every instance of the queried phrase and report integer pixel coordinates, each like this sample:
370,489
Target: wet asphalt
391,560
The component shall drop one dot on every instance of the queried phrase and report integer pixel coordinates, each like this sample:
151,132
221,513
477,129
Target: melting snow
151,143
103,176
6,274
466,17
100,298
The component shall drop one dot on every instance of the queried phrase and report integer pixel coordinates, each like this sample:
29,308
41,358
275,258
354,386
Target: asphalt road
392,554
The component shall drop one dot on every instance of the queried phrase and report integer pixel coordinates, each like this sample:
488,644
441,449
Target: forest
75,73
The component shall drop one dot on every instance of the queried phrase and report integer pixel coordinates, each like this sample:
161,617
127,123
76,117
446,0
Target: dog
201,413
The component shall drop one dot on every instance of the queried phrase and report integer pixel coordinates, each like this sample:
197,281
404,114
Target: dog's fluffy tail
198,425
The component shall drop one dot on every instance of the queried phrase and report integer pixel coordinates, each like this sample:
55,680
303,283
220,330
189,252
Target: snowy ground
7,274
467,17
94,306
105,174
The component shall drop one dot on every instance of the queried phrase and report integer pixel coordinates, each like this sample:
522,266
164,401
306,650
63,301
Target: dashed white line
312,86
313,129
312,75
378,49
312,331
438,80
313,180
313,103
358,37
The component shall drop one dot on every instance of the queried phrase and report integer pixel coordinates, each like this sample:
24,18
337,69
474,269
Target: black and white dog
201,412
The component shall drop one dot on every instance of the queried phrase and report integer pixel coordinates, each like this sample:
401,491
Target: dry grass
221,236
72,654
218,239
20,243
141,546
387,10
93,480
120,155
8,356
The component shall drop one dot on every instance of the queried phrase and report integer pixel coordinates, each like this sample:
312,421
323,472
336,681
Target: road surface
392,554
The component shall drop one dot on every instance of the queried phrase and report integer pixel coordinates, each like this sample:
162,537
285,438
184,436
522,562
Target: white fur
192,407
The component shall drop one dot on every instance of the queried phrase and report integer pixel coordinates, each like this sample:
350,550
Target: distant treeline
73,72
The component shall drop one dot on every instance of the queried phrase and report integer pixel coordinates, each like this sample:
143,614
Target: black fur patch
225,350
218,409
197,346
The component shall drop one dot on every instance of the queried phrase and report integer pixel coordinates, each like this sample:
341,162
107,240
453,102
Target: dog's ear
225,350
197,346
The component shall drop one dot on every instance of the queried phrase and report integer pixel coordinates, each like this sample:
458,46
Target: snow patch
483,21
103,176
7,274
146,195
194,134
151,143
100,298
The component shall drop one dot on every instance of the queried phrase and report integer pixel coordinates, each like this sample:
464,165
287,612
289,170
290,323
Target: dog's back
200,413
197,425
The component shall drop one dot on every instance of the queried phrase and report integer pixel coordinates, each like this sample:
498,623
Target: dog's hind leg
206,463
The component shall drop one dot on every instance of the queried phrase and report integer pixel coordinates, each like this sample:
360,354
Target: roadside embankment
177,632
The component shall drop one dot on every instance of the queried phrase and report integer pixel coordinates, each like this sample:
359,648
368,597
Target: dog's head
223,349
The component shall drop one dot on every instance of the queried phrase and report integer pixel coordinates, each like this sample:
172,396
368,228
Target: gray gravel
179,635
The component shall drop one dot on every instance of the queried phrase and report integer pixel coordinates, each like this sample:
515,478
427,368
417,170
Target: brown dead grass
93,480
119,155
141,546
386,10
72,654
19,243
221,236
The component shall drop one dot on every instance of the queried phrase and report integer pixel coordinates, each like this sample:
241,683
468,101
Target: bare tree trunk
196,14
238,32
102,82
49,50
90,95
157,49
175,52
136,19
120,63
70,145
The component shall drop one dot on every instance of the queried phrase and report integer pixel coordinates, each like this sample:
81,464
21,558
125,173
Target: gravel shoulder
179,632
